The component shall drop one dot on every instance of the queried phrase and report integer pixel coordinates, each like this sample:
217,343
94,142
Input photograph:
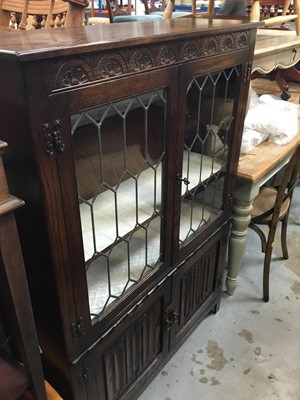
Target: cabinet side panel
22,167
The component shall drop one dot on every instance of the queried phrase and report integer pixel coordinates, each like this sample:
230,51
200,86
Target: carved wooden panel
98,67
134,349
132,352
197,285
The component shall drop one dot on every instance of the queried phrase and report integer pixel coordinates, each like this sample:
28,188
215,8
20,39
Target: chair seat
265,201
175,14
133,18
98,20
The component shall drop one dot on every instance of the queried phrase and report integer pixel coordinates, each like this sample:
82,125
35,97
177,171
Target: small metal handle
184,180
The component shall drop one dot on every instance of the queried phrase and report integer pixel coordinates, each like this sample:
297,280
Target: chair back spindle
37,14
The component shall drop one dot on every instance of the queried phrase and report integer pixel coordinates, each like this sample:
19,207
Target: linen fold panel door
208,126
119,149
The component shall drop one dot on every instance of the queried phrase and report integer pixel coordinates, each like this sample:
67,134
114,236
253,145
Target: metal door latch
184,180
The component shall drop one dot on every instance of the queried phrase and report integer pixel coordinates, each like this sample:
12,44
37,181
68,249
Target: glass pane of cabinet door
119,153
208,126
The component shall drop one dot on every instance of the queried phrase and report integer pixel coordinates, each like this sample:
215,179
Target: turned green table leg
237,242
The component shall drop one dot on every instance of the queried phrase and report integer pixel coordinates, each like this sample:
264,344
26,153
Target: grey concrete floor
249,349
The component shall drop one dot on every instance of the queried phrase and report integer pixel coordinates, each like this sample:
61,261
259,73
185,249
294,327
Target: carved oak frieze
78,71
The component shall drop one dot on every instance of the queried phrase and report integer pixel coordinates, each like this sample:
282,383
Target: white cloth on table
269,118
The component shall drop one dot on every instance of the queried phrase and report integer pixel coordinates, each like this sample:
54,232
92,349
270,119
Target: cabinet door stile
77,333
49,165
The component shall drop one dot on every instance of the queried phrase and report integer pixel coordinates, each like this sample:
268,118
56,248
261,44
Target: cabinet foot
216,307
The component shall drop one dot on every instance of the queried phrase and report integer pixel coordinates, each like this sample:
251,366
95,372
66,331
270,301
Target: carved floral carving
73,73
210,46
190,51
227,43
142,60
167,55
111,65
74,76
111,68
242,41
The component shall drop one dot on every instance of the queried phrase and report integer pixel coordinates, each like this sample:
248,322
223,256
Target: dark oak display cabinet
123,142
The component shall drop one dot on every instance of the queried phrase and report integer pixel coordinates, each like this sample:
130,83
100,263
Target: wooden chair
94,19
32,14
119,13
37,14
268,8
259,11
75,12
271,206
171,5
152,9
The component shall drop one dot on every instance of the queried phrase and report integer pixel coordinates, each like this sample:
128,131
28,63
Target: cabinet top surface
48,43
